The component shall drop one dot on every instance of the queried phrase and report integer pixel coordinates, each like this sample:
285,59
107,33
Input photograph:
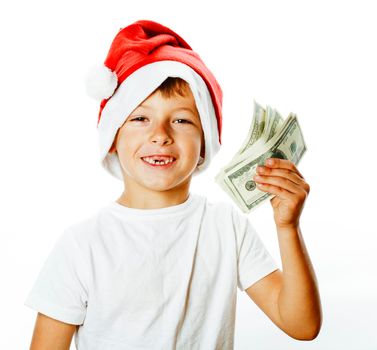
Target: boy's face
160,126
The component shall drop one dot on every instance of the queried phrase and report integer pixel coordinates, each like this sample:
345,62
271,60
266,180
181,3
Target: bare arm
291,298
51,334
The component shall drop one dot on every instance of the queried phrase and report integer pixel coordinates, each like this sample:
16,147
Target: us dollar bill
270,136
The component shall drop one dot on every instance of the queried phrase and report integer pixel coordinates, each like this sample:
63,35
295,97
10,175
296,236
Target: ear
113,148
203,149
202,152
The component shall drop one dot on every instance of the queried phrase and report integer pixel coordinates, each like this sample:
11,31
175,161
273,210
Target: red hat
141,44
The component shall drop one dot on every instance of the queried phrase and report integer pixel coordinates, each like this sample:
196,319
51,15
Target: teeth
156,161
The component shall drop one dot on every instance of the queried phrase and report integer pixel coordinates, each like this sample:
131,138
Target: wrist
288,228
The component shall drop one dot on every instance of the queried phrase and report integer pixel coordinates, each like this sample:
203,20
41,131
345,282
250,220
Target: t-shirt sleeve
254,260
60,290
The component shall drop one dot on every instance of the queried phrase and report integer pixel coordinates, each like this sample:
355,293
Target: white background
317,59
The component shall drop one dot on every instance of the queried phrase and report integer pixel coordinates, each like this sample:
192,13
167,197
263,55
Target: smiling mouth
159,163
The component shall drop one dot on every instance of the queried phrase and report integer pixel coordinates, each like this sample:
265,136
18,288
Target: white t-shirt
152,278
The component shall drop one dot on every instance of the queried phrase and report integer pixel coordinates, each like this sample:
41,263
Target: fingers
280,191
284,174
283,164
283,182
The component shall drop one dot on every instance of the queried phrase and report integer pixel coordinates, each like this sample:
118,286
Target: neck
149,199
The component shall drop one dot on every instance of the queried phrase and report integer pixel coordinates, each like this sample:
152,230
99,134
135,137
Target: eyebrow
175,109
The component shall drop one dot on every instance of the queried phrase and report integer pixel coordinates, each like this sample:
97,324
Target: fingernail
270,162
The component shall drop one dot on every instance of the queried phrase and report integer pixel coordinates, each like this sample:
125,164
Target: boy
159,267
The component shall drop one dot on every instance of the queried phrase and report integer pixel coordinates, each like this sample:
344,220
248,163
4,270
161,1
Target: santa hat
141,56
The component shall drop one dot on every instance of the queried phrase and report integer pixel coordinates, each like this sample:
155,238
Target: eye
182,121
137,119
185,121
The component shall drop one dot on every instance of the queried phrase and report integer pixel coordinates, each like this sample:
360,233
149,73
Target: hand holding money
269,137
281,178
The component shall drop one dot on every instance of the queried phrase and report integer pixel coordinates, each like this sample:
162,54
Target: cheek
192,145
127,142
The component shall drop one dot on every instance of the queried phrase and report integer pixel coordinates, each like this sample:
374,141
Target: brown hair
172,86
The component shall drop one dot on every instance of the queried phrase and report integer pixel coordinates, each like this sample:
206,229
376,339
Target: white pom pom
100,82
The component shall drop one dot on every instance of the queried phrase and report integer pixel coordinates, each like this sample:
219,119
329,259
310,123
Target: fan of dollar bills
270,136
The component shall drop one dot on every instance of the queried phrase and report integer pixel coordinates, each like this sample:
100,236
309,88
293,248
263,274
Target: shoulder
230,218
216,206
82,231
210,202
224,212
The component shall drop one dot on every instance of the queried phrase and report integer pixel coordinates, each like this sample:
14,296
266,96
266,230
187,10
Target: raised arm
51,334
289,297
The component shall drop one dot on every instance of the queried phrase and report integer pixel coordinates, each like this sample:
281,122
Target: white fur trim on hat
135,89
100,82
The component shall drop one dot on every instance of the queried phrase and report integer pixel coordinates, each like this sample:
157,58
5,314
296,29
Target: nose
160,135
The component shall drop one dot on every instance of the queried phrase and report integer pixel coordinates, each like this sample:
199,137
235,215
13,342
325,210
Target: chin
159,181
162,185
